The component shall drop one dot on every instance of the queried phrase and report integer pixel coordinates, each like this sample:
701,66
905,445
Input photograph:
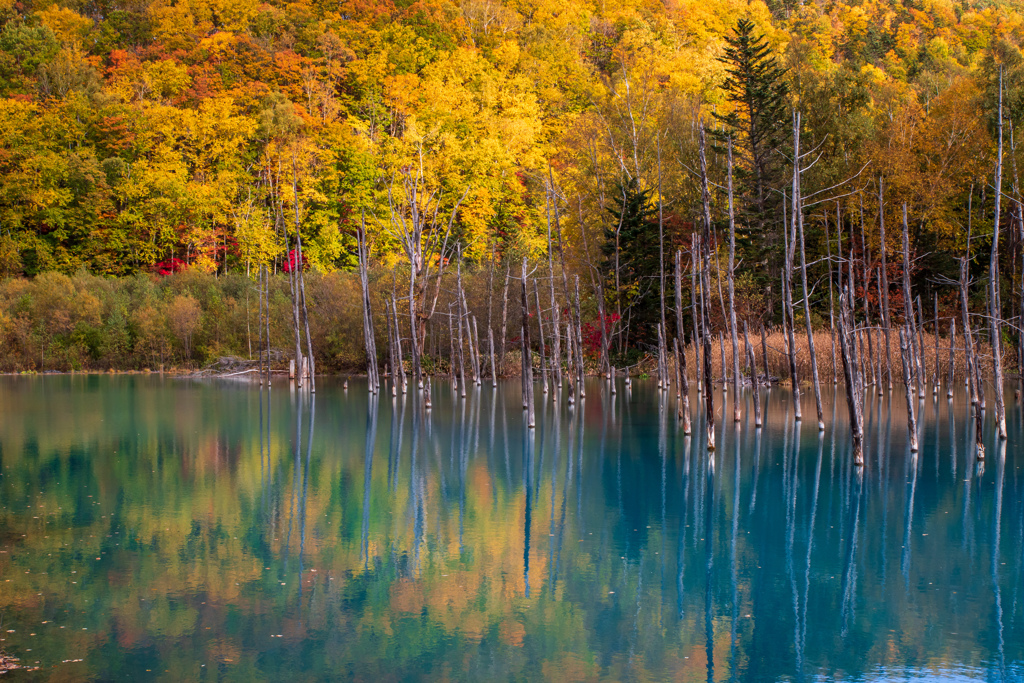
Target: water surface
164,529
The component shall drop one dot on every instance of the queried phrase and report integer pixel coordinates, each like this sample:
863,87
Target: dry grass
830,365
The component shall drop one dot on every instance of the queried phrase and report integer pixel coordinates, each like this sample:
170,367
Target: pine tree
757,88
633,216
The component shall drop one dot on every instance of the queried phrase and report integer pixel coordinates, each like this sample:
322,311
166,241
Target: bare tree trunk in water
994,301
853,400
269,346
705,294
883,274
790,320
935,376
764,357
370,343
752,368
732,299
908,300
490,345
952,357
259,325
684,382
556,352
922,370
504,320
911,419
831,305
400,366
663,330
578,341
697,341
526,355
462,356
799,221
540,334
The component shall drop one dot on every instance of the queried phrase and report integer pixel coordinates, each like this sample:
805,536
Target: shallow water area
157,528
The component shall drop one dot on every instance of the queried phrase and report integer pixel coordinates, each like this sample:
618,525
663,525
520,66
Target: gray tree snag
952,357
540,336
994,299
853,398
732,297
527,359
705,288
908,299
752,369
908,383
684,382
368,338
883,274
799,220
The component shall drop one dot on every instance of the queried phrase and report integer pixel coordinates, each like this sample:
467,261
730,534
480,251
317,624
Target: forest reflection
176,526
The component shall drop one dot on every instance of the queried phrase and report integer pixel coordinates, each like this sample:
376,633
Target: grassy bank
55,322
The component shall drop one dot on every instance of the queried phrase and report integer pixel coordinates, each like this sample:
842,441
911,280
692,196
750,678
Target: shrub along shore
185,321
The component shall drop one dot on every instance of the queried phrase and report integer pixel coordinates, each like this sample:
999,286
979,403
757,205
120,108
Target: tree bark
540,336
684,382
952,357
526,357
908,382
883,273
752,367
908,300
799,221
995,305
853,400
732,299
709,394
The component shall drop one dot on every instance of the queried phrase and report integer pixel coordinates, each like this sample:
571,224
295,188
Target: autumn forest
179,177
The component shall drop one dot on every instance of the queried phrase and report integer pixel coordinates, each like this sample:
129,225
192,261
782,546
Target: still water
166,529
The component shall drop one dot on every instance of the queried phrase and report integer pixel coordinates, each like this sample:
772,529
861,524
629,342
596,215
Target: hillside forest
180,180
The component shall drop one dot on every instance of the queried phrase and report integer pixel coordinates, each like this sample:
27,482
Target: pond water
166,529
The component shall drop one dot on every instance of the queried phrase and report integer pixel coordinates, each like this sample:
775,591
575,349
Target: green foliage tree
759,96
630,252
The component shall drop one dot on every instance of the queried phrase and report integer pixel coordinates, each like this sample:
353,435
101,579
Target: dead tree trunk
911,419
368,338
259,325
683,380
831,303
752,368
705,294
490,346
578,341
662,330
853,398
968,341
461,347
952,357
556,352
697,342
732,300
540,335
398,347
764,357
504,320
994,298
908,300
526,355
788,278
799,222
884,282
935,375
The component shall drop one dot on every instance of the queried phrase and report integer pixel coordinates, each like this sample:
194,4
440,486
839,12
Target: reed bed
830,368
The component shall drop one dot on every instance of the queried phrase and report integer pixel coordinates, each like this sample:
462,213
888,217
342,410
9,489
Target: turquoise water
165,529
